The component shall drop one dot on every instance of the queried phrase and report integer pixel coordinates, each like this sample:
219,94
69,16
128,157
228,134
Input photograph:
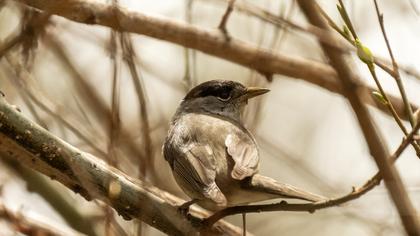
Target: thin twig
146,163
225,17
244,224
187,79
397,76
391,108
114,130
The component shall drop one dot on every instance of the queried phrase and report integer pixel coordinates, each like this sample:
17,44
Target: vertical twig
397,76
187,68
115,101
244,224
128,55
225,17
114,123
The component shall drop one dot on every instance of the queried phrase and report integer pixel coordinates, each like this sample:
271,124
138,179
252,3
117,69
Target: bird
213,157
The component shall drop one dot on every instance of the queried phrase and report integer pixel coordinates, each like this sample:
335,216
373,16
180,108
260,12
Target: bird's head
220,97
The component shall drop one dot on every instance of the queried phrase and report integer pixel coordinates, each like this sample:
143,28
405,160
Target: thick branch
89,176
211,42
377,149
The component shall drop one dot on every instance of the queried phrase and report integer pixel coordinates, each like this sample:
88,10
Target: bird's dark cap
215,88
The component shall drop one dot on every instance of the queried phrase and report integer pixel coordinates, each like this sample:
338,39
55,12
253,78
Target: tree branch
211,42
89,176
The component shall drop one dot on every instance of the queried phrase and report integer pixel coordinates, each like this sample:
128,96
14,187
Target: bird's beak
255,91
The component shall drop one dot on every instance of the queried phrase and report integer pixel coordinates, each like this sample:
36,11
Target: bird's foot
196,221
185,208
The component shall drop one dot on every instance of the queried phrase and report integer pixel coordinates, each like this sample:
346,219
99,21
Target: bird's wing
198,168
243,150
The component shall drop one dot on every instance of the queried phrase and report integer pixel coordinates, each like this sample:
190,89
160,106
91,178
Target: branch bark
377,149
211,42
92,178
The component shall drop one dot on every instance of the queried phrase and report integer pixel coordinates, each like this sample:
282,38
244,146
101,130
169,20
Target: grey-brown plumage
214,158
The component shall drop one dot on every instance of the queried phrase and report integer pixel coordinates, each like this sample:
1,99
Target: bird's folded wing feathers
244,152
198,167
265,184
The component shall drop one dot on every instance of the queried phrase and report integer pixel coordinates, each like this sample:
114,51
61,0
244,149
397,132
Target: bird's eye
224,96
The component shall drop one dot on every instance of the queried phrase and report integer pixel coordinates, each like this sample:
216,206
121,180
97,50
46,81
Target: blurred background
113,95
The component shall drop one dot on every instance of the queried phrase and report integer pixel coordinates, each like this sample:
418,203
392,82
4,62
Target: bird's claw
185,208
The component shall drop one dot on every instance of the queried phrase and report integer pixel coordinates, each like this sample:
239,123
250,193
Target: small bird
213,157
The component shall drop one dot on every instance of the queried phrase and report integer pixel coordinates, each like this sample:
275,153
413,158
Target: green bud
379,97
364,53
339,8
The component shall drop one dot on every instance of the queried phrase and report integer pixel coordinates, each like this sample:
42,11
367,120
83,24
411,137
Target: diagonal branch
89,176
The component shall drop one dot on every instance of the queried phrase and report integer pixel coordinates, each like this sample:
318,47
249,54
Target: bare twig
146,163
392,109
115,102
397,76
114,130
188,77
225,17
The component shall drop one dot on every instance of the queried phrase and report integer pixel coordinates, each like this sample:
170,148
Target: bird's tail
263,184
